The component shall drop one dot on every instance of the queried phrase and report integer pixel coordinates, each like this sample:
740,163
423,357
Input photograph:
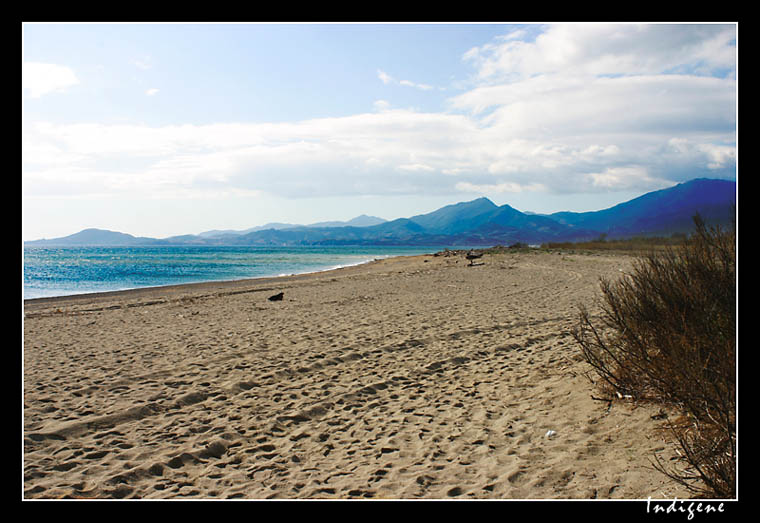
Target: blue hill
477,222
662,212
98,237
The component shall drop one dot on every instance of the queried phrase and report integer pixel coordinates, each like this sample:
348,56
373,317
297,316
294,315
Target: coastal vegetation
636,245
666,334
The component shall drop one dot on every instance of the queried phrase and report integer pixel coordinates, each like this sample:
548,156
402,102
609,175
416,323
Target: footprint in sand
454,492
517,477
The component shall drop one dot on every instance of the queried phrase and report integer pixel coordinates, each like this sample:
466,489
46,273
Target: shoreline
410,377
190,286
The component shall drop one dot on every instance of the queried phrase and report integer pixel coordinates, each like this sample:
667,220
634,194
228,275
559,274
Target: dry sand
405,378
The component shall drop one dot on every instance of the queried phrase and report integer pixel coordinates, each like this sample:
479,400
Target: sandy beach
405,378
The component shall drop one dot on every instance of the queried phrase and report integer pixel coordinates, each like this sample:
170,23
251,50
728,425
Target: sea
64,271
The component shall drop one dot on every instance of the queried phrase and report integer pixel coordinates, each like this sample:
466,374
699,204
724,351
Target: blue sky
165,129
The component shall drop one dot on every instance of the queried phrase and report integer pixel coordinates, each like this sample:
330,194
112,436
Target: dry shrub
634,245
667,333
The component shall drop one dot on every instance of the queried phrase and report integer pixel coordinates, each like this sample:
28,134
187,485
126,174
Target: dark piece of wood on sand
472,257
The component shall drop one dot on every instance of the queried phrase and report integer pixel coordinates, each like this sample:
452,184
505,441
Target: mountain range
476,222
359,221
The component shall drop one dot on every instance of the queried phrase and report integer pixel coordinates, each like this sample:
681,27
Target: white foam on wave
339,266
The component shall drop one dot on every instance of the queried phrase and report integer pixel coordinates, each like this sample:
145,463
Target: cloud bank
39,79
574,109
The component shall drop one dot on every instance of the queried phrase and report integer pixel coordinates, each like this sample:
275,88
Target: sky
167,129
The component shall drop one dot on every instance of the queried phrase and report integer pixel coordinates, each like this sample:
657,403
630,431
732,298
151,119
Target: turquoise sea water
61,271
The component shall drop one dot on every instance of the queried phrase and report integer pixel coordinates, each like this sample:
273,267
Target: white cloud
713,156
39,79
594,107
388,79
291,159
578,109
144,63
422,87
551,104
609,49
624,178
416,167
719,155
384,77
151,92
499,188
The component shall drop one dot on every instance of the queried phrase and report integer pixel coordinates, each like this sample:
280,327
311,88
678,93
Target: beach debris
471,256
608,400
276,297
550,434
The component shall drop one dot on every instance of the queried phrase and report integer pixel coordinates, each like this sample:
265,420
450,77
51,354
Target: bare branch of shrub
666,332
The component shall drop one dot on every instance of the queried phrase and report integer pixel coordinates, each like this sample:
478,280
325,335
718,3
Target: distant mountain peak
474,222
478,201
662,212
